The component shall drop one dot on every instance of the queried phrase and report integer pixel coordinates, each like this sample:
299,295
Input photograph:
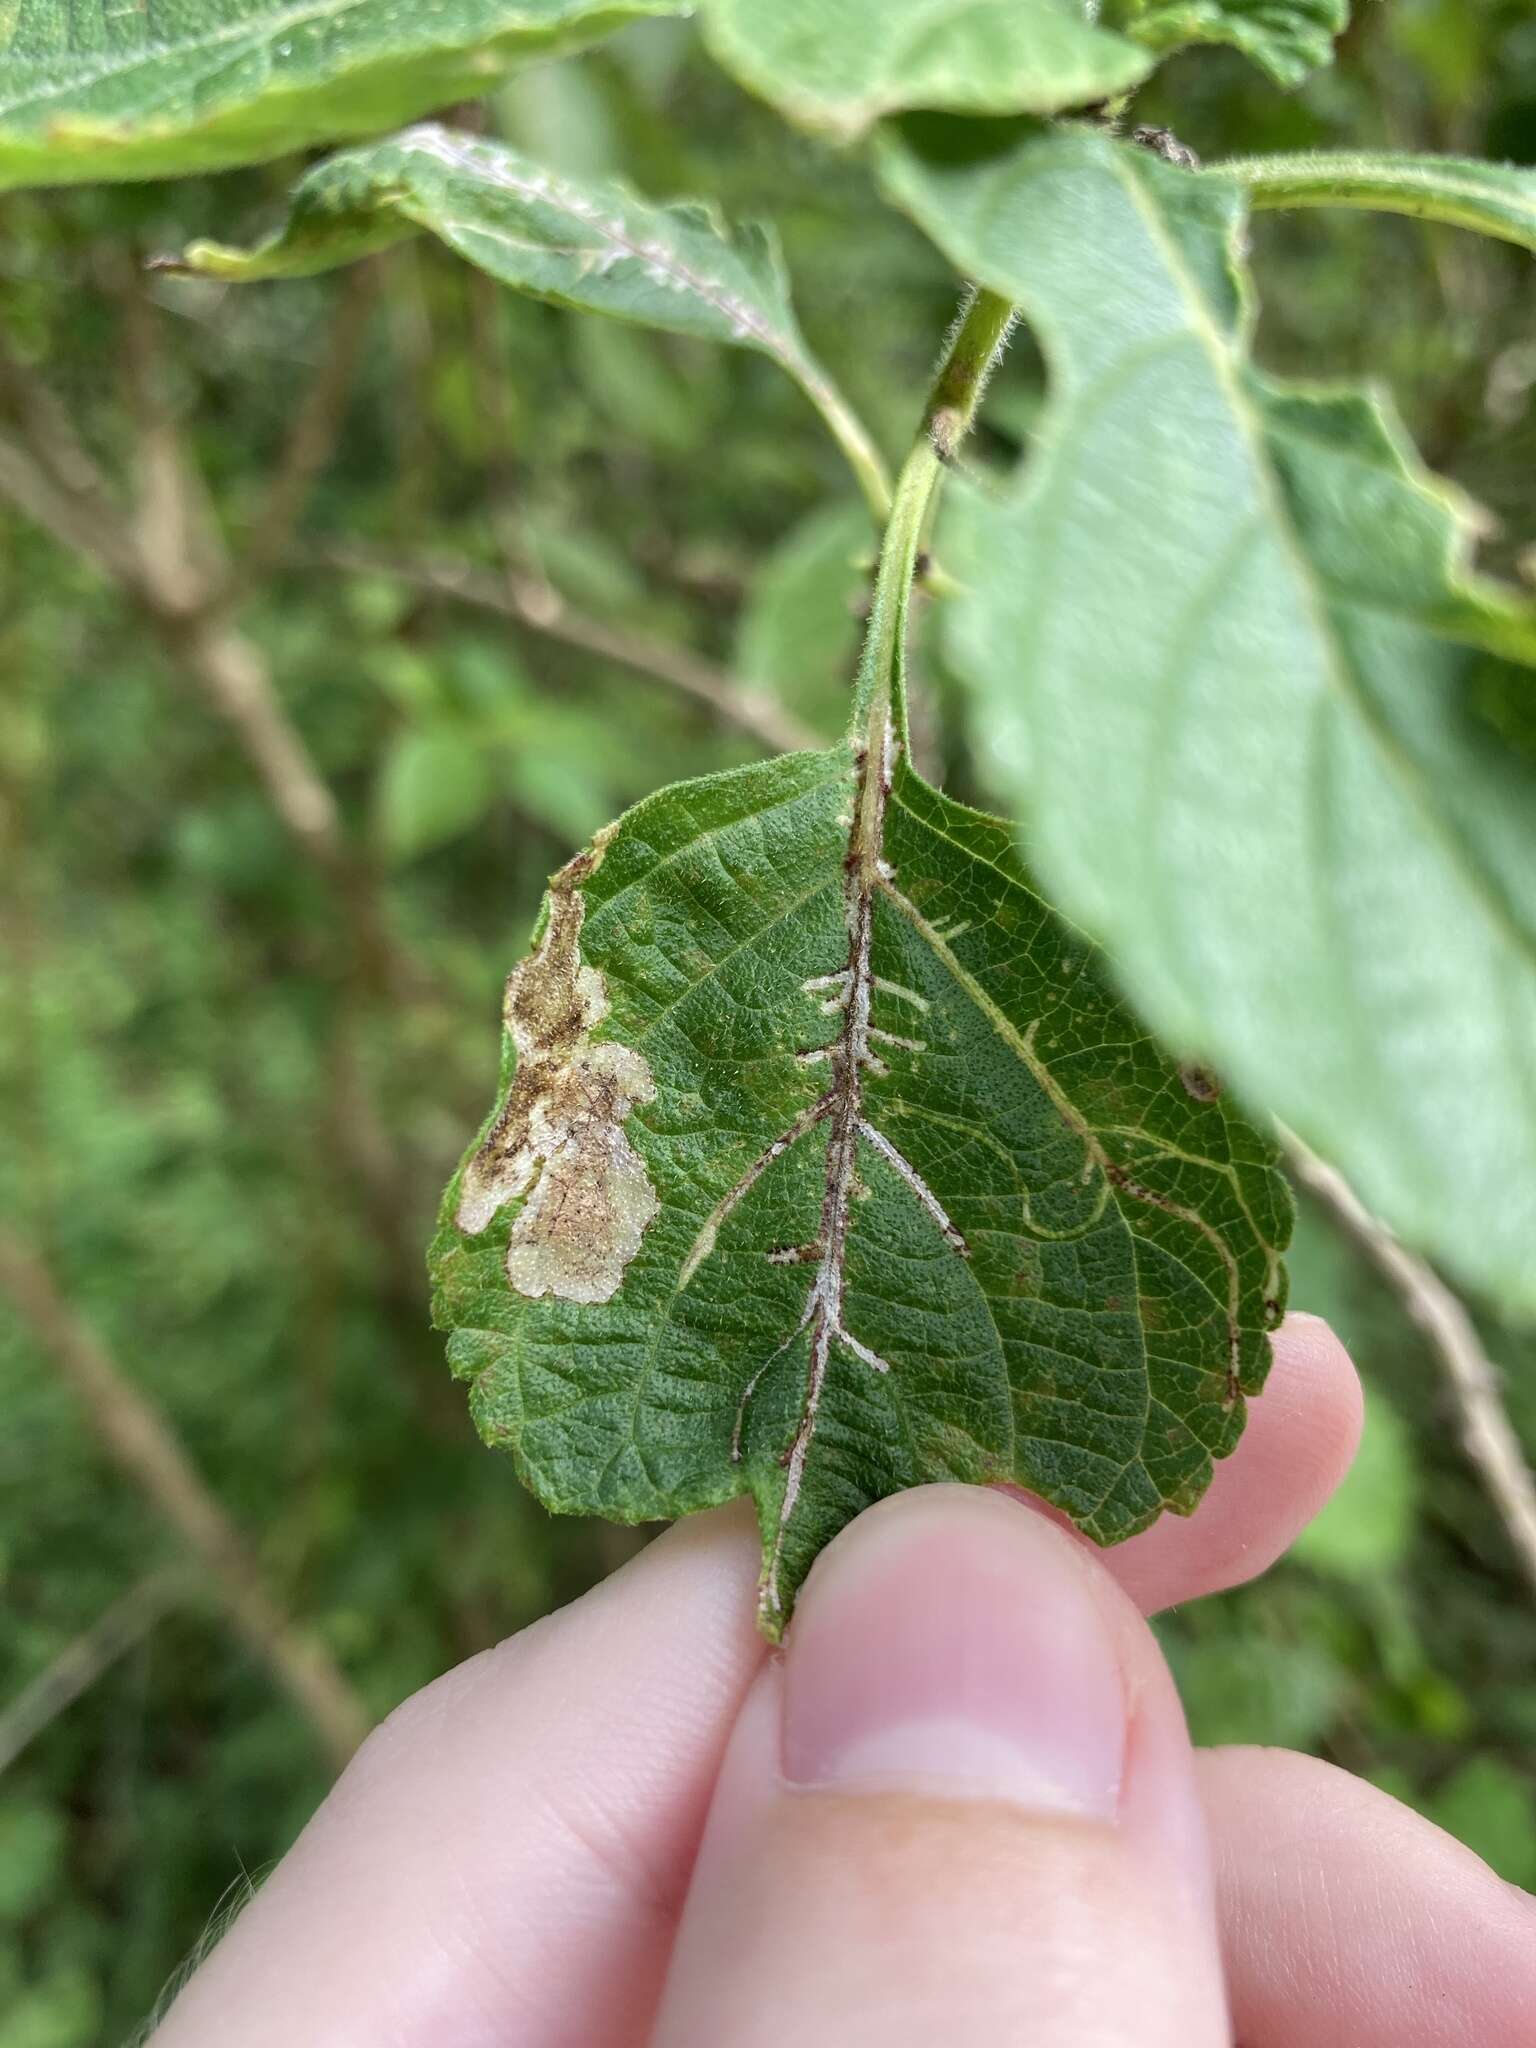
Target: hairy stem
975,345
1446,191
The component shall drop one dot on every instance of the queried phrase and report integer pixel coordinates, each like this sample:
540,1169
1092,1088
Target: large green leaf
835,66
1286,38
816,1174
156,91
1221,640
1495,199
586,243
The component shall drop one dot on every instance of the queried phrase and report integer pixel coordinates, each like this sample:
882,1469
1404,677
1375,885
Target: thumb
960,1809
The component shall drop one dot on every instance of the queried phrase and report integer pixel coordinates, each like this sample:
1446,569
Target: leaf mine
559,1139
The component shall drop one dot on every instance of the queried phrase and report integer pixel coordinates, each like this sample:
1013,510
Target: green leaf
1492,199
434,784
1491,1806
33,1842
847,1162
1286,38
1242,1685
160,92
1218,643
799,630
835,66
586,243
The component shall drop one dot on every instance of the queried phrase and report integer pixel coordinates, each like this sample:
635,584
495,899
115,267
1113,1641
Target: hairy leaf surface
1493,199
836,66
1286,38
159,91
589,243
1226,648
847,1173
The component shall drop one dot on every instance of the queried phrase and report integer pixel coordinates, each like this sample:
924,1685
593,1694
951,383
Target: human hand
961,1809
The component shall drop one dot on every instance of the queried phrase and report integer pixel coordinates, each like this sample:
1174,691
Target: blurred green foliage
186,1030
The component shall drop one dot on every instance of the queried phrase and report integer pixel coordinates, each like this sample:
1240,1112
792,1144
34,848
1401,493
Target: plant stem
974,349
1419,188
852,437
975,344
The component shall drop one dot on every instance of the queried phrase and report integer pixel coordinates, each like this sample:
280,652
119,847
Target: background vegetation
507,570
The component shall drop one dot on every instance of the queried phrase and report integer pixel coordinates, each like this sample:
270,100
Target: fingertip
1313,1378
529,1818
1303,1431
962,1801
1349,1921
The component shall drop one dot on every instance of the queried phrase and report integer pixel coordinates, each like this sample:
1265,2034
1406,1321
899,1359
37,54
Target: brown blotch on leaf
559,1139
1201,1083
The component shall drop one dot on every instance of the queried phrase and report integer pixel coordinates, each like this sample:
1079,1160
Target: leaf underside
833,1186
1285,38
836,66
163,91
1253,759
587,243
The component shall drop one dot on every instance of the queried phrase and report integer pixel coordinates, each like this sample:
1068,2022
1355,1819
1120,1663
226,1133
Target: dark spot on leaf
1200,1082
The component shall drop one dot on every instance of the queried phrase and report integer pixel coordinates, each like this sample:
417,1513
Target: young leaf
835,66
1221,629
134,92
1493,199
434,784
1286,38
590,244
824,1163
798,633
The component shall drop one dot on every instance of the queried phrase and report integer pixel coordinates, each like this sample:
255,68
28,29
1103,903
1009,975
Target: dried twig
170,561
80,1663
169,566
73,523
48,474
145,1445
1486,1430
49,429
543,610
235,680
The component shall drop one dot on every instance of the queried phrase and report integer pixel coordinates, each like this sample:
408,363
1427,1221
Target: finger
1350,1922
454,1834
963,1809
504,1859
1299,1441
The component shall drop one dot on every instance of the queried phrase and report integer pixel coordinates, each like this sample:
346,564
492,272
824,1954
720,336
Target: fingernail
951,1640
